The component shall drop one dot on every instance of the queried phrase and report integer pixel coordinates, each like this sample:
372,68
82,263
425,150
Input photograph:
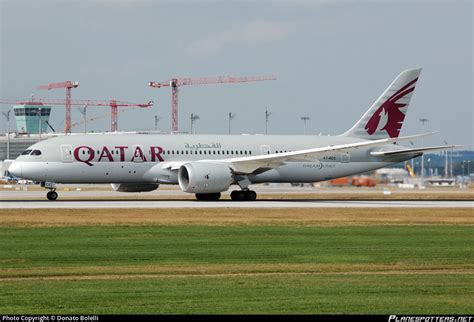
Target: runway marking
308,203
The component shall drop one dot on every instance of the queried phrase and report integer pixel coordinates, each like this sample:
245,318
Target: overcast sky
332,59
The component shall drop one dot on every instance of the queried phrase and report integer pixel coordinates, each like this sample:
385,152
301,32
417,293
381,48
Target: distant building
30,117
18,143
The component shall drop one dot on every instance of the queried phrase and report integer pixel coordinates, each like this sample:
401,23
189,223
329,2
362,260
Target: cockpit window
26,152
36,152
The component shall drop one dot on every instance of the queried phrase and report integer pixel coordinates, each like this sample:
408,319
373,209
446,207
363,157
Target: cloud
252,33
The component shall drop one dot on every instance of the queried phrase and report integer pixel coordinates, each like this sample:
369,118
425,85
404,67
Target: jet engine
134,187
204,177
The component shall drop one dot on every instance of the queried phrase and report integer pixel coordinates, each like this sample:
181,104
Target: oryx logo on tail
384,118
392,111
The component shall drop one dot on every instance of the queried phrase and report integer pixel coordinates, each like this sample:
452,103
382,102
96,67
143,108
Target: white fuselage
147,158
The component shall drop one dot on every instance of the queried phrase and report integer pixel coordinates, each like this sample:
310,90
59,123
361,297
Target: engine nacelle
134,187
204,177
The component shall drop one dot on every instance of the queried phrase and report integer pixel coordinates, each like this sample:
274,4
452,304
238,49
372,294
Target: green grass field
385,269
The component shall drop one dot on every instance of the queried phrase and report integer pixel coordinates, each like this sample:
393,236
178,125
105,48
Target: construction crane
113,104
68,85
174,83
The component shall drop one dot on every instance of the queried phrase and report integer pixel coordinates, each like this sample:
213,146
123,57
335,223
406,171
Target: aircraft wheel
52,195
208,196
237,195
251,195
214,196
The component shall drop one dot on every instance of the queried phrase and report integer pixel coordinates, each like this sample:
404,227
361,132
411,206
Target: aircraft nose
15,169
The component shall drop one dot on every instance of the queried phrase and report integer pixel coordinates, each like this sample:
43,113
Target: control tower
31,117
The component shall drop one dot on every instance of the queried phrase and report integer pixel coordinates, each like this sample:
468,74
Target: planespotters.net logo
396,318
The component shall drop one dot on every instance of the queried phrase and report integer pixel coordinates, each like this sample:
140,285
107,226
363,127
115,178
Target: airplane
207,165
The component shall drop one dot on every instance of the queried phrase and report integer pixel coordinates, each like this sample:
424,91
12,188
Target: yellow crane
410,169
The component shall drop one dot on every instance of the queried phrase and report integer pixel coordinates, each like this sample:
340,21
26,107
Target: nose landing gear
52,194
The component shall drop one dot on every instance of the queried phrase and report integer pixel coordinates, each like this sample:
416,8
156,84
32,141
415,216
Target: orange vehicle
344,181
363,182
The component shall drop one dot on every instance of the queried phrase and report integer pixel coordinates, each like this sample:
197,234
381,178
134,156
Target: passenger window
26,152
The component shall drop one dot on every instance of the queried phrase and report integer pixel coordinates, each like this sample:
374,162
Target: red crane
68,85
174,83
114,104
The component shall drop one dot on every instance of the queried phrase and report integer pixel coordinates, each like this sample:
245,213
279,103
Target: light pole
194,118
231,117
7,116
39,123
446,163
157,119
304,119
267,116
423,121
83,111
451,162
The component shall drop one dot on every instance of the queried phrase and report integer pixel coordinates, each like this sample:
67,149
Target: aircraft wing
412,151
250,164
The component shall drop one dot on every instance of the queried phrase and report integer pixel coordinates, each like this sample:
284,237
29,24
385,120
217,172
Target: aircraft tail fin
384,119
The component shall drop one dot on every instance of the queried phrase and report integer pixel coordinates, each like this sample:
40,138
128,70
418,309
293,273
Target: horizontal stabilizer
412,151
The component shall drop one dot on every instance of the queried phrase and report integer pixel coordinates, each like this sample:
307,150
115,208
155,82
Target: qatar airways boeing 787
207,165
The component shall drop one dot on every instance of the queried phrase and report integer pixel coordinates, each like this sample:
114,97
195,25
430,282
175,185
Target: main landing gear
52,194
243,195
237,195
208,196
